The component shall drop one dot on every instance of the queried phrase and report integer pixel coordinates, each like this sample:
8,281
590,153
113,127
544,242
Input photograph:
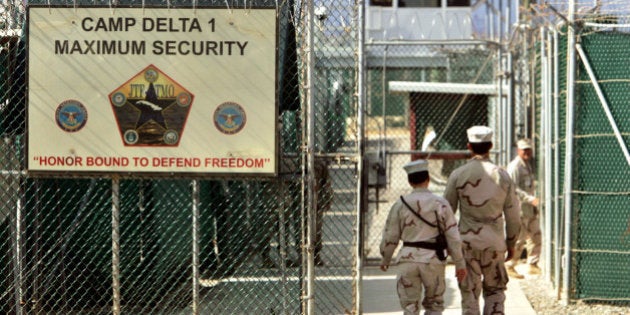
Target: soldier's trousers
530,232
487,274
412,279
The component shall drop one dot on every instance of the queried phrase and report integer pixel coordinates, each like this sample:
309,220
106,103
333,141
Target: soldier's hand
510,253
535,202
460,274
384,267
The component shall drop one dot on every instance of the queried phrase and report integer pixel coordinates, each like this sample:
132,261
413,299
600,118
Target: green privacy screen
601,171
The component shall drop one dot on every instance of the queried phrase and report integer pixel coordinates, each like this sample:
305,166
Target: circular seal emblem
71,115
131,136
184,99
229,118
151,75
119,99
171,137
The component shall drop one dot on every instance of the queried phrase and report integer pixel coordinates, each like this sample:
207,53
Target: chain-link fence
583,146
139,244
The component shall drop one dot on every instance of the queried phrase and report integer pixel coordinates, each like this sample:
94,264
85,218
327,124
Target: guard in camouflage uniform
489,223
419,265
520,171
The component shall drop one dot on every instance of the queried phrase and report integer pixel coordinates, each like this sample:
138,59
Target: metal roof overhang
439,87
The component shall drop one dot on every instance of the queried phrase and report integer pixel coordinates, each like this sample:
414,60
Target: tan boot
534,270
513,273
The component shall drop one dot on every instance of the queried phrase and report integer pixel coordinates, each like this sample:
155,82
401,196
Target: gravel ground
543,298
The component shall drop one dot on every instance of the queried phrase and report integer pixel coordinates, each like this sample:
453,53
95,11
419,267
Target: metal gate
421,109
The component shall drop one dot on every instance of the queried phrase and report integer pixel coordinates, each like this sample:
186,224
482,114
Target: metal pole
568,156
509,108
310,165
508,23
384,89
499,24
361,108
115,245
556,159
544,82
12,200
500,125
547,149
195,247
490,21
18,280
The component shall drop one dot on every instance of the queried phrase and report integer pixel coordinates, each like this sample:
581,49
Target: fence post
568,155
115,245
362,178
310,165
195,247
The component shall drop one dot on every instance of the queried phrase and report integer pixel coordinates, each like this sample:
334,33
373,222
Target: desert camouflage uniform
489,224
523,177
420,267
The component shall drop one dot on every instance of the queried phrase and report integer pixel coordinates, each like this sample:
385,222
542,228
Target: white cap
416,166
524,144
478,134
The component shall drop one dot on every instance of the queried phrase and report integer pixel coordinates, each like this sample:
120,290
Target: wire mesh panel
601,188
254,248
70,240
598,159
12,184
335,146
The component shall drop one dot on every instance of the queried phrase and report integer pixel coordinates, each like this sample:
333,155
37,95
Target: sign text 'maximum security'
141,47
157,47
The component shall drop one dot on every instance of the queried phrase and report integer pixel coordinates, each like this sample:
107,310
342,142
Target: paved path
379,296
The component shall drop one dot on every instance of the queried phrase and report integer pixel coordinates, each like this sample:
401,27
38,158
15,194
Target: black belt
425,245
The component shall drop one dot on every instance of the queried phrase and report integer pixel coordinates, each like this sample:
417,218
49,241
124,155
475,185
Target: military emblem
71,116
151,109
230,118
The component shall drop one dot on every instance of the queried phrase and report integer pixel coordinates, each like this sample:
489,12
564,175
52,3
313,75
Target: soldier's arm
453,238
515,175
391,234
450,193
511,212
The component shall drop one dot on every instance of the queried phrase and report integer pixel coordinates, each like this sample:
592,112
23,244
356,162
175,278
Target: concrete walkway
379,294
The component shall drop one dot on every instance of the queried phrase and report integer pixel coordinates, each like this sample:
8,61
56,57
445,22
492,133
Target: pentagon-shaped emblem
151,109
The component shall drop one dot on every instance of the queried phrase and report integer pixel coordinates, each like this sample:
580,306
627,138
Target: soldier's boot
513,273
534,269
